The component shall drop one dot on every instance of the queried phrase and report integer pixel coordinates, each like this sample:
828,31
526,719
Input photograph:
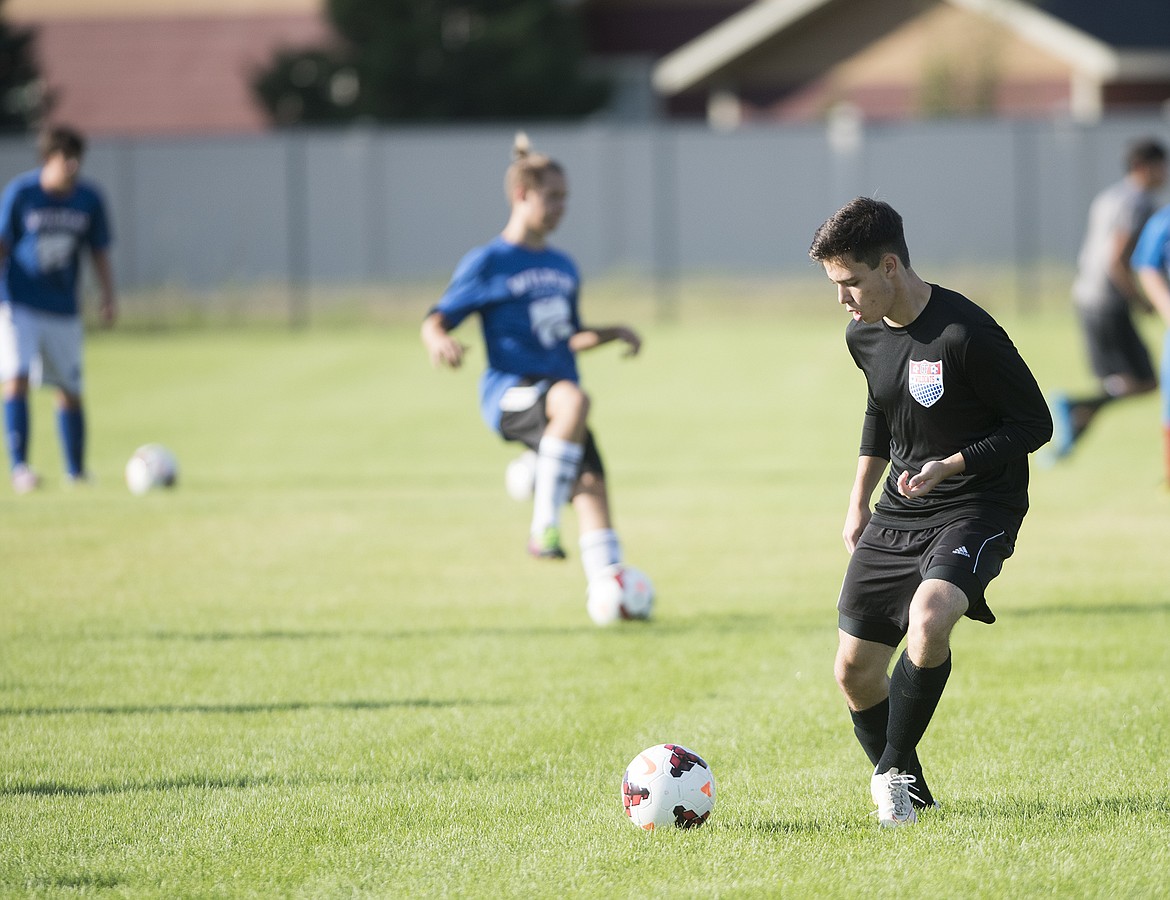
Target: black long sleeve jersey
950,381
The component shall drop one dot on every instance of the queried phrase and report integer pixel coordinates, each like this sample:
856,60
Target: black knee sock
870,726
914,694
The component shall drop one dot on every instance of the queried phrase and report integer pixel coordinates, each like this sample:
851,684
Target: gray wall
362,206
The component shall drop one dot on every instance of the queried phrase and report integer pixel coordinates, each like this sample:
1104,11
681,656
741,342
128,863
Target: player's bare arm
1157,290
588,338
870,470
1120,249
108,305
443,349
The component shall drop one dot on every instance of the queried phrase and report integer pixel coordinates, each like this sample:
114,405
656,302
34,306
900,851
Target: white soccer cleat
891,794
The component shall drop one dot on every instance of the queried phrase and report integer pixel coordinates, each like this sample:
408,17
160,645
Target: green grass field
323,665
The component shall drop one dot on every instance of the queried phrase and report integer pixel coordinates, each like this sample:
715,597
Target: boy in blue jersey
1151,262
47,217
526,294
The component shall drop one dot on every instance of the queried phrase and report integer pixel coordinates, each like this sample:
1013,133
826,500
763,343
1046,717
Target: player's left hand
631,339
924,482
107,311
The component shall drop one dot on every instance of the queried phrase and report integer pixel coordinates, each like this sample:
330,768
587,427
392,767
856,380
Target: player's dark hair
1143,152
864,230
528,169
61,139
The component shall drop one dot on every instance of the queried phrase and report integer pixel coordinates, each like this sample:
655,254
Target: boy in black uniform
953,413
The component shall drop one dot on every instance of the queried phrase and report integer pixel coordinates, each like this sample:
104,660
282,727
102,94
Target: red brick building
129,67
169,67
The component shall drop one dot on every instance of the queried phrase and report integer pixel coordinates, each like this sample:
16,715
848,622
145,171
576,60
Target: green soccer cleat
547,544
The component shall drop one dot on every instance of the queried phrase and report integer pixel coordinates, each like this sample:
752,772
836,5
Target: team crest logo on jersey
552,320
926,381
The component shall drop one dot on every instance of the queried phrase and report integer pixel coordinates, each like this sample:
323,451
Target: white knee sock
599,549
557,465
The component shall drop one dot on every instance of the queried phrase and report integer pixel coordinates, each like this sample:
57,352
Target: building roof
1106,40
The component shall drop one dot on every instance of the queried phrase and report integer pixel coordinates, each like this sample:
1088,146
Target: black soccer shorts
888,565
1114,345
524,420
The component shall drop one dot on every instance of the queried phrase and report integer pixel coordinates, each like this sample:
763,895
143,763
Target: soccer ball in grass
152,466
619,592
668,784
520,476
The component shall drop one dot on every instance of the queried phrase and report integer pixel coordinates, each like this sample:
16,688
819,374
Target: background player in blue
1151,261
952,413
526,295
47,217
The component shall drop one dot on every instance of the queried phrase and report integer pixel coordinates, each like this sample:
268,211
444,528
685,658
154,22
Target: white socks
599,549
557,466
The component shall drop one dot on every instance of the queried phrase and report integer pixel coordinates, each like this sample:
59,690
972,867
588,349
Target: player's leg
921,672
600,546
61,355
1120,361
71,431
873,609
558,464
18,348
1165,372
958,564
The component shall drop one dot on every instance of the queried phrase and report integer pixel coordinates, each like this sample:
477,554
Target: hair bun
521,146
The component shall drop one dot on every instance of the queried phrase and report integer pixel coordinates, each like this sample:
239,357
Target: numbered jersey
44,235
527,303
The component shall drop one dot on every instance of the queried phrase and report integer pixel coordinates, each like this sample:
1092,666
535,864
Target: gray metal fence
372,206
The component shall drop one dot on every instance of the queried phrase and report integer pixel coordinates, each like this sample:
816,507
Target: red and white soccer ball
668,785
619,592
152,466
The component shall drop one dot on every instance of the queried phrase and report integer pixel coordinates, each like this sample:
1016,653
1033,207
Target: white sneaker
24,479
891,795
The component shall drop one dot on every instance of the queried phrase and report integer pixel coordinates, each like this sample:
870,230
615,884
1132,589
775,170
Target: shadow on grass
80,883
1104,609
728,624
242,708
204,782
1079,810
797,828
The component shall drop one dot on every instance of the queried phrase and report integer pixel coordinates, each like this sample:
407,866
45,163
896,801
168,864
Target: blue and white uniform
1153,252
45,235
41,330
527,303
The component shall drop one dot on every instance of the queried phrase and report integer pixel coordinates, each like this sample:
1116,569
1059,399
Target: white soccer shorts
43,346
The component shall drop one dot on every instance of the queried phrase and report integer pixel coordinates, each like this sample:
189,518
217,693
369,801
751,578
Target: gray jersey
1122,207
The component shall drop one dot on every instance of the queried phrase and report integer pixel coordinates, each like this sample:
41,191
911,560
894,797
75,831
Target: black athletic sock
914,695
1085,410
870,725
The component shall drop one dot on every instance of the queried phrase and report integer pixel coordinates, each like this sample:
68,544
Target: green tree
436,60
24,100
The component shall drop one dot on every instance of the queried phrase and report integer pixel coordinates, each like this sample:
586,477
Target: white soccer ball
667,784
619,592
520,476
152,466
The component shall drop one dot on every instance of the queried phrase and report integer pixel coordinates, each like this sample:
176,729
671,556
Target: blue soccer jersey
44,234
527,303
1153,247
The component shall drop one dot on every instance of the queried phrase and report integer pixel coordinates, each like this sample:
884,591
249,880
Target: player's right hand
446,351
855,522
